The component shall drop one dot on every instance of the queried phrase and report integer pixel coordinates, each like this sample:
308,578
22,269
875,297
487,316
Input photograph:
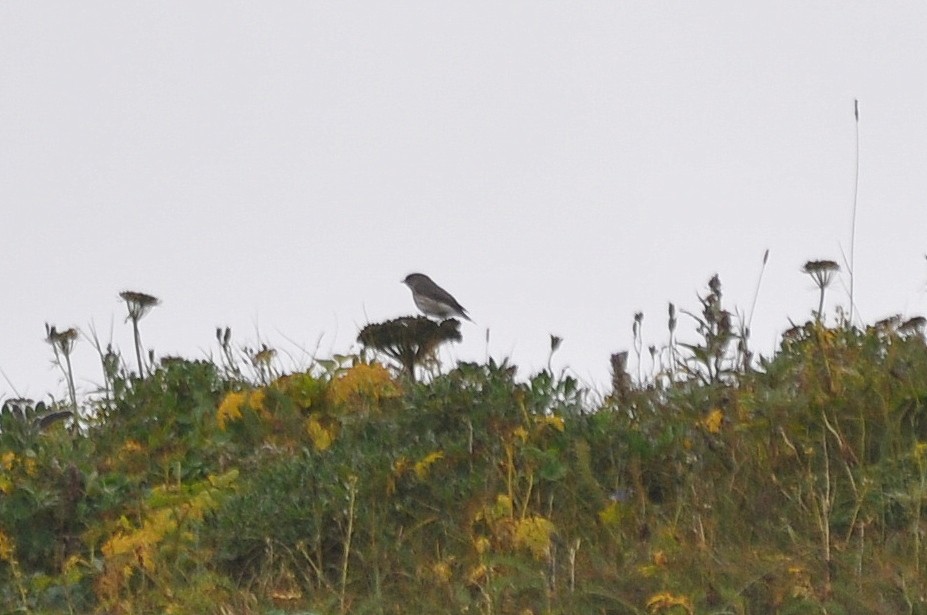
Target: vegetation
714,484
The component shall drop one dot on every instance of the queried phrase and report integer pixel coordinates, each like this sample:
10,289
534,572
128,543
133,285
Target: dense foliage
798,485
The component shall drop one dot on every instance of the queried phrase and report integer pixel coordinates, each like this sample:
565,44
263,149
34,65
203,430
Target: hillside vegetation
713,483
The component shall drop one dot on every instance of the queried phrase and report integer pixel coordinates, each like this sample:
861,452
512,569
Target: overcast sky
279,167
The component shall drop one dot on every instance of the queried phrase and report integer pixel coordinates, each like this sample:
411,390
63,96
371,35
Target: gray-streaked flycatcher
433,300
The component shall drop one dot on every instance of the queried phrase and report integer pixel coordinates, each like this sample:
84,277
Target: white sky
279,167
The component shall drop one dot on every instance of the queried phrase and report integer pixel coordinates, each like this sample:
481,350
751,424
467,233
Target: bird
433,300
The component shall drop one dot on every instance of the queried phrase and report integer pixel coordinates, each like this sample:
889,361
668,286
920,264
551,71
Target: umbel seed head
822,272
139,304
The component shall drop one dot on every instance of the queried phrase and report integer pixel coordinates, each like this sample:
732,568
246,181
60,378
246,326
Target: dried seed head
793,334
889,324
638,319
139,304
619,362
913,325
63,341
822,272
264,356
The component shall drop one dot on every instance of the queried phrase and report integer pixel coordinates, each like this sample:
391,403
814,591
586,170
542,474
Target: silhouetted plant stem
672,322
352,494
109,361
638,342
822,273
743,345
138,346
138,305
756,292
919,504
71,391
555,342
62,343
574,549
224,337
262,361
714,325
853,225
826,501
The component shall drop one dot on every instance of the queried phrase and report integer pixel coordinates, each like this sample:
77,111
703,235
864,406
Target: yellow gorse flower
442,571
712,423
423,465
534,533
552,421
481,544
502,508
7,459
610,516
665,600
364,385
231,406
321,437
6,548
131,446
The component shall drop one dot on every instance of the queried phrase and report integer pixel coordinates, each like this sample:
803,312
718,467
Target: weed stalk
352,497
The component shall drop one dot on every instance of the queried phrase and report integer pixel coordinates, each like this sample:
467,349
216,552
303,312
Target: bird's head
414,278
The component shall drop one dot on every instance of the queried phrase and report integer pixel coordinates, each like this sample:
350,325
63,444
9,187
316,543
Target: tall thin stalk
671,323
638,342
855,203
138,305
756,292
109,360
744,343
352,496
62,342
822,272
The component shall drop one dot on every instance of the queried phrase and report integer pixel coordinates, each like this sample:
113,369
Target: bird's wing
445,297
